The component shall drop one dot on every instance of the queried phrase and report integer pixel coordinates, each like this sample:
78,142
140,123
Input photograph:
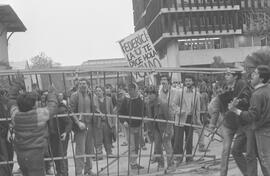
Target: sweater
160,110
84,104
259,110
63,123
173,99
30,128
132,107
243,92
106,107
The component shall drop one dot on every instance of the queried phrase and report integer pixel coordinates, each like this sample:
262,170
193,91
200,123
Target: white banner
140,52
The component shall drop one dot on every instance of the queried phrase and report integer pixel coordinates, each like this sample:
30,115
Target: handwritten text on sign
140,52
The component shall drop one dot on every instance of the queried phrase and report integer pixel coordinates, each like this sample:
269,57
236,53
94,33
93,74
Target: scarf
84,106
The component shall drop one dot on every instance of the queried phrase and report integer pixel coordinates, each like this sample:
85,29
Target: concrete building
192,32
111,77
9,23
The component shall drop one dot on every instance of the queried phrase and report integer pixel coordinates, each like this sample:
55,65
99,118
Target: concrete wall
176,58
196,57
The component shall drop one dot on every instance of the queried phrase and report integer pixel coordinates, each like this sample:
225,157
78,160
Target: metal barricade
119,162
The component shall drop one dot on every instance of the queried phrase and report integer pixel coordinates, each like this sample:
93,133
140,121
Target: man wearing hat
236,87
258,116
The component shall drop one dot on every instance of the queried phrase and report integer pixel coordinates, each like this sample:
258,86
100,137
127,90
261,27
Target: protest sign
140,52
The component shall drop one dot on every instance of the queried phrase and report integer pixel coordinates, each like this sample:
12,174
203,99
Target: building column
173,59
3,47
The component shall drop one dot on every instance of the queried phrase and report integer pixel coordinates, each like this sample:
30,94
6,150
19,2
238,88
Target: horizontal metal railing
145,119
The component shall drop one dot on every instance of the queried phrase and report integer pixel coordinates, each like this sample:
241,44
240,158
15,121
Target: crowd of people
236,108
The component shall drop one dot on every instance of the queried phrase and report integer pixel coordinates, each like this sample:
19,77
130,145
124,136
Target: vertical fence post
9,80
72,144
141,136
92,107
10,166
50,148
105,99
176,127
117,129
201,135
38,81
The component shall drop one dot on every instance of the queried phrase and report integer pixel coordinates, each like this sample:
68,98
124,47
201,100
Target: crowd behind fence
119,120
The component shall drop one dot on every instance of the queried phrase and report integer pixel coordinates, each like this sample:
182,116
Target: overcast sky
70,31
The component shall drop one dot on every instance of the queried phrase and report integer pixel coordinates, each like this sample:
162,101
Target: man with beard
258,114
82,101
172,98
190,107
106,125
161,131
236,87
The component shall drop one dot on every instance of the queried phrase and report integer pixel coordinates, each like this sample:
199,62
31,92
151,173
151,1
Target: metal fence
113,164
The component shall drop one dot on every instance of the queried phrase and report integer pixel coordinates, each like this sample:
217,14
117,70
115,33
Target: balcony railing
196,23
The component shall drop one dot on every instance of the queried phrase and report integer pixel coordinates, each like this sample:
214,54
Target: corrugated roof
9,18
114,62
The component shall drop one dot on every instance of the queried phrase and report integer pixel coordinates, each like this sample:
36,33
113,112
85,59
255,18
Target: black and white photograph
135,87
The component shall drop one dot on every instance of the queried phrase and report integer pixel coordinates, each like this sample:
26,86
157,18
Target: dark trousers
263,147
59,149
31,162
104,136
6,154
48,154
161,142
245,142
178,143
227,135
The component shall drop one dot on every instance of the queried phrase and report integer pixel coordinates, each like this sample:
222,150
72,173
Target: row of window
221,42
204,21
196,3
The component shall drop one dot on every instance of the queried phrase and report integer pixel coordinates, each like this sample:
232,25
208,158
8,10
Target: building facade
192,32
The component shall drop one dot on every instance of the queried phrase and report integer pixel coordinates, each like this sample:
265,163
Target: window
199,43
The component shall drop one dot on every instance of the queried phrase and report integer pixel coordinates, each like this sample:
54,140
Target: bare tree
42,61
217,62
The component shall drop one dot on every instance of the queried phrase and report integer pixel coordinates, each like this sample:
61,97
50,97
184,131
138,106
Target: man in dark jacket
82,101
161,131
59,129
258,114
31,131
6,147
236,87
133,106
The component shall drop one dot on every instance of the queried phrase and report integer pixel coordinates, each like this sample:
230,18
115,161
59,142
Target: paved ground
203,167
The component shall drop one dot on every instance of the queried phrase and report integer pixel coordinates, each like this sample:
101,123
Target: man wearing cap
258,115
236,87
